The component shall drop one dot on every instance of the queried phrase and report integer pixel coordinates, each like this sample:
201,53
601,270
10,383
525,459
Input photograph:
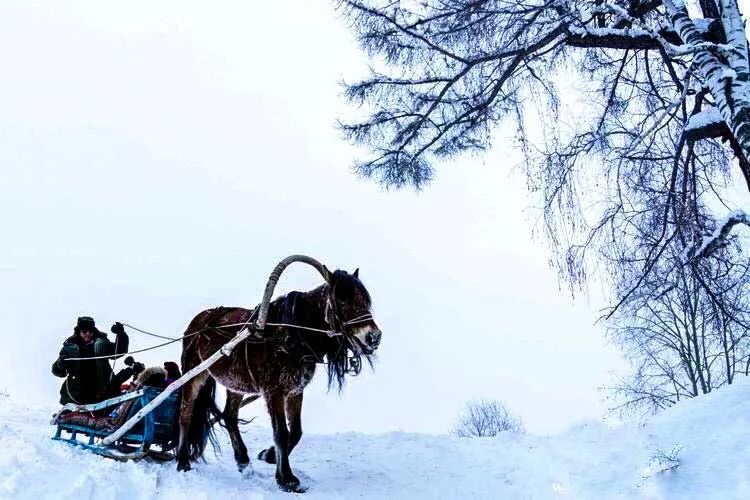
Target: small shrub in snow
663,460
486,418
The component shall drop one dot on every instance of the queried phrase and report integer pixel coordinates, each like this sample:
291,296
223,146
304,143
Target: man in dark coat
88,381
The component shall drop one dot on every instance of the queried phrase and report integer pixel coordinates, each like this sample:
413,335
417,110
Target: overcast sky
159,158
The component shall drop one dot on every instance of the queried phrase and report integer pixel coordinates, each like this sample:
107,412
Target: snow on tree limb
706,118
674,47
707,123
720,235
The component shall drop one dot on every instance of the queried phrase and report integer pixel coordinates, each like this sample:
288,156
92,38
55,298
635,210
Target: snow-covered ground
707,436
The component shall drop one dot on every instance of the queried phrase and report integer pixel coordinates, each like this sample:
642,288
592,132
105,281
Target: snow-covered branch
719,238
629,32
673,49
611,38
705,124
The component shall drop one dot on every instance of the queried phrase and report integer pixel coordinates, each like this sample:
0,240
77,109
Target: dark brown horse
336,328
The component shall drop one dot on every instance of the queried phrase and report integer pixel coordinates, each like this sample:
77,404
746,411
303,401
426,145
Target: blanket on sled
108,419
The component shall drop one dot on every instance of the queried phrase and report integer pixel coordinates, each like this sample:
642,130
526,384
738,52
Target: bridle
332,315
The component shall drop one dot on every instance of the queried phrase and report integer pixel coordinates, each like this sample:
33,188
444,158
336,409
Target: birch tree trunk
725,72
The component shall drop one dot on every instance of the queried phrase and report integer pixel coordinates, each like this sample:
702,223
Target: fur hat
85,323
173,371
152,376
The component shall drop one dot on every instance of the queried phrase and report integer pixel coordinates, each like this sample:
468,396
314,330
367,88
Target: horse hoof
268,455
295,489
183,467
243,466
292,486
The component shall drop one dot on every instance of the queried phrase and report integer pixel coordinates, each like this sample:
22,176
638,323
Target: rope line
330,333
136,351
149,333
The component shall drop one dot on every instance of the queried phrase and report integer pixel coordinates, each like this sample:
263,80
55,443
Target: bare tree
679,342
668,107
486,418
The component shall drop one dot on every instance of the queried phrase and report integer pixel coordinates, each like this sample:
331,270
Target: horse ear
356,273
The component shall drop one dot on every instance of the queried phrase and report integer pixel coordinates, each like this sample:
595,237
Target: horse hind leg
268,455
231,420
190,393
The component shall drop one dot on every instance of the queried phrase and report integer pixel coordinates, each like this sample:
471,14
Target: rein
331,333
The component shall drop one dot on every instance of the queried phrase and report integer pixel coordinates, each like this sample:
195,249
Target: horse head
349,311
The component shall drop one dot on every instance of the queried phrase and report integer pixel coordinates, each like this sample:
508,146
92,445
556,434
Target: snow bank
707,437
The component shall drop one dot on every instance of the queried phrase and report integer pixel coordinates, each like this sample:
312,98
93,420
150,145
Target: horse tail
200,432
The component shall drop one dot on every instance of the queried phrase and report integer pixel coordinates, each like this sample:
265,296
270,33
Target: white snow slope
708,435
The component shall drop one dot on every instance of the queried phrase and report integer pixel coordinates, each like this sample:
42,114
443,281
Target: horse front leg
286,480
294,418
231,420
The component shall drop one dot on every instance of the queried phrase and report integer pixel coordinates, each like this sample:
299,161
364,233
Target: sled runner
157,428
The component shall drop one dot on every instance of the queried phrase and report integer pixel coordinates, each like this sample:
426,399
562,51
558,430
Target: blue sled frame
156,428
